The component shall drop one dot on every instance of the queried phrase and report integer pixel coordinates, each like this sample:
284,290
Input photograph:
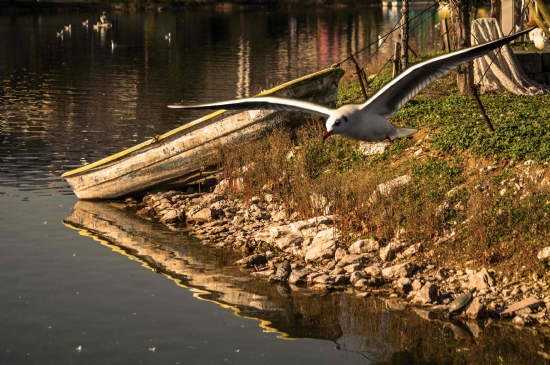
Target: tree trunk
496,11
460,24
405,35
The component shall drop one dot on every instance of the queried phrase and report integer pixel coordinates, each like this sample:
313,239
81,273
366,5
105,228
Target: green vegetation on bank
486,195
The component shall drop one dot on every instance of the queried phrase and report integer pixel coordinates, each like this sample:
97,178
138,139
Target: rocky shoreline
313,253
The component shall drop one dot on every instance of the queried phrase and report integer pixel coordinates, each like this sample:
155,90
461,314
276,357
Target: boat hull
191,152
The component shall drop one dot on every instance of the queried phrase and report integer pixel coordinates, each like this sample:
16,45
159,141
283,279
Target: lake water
88,283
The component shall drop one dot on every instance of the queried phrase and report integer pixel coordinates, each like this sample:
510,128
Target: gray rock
203,215
355,247
519,321
411,250
364,246
298,276
209,199
373,271
288,241
324,279
339,254
528,302
398,271
238,221
460,302
403,285
331,233
475,309
428,294
351,259
319,249
482,280
389,252
416,285
353,267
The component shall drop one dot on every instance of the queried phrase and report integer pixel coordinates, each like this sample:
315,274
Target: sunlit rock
397,271
320,248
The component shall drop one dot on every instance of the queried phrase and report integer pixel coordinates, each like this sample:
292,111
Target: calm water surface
88,283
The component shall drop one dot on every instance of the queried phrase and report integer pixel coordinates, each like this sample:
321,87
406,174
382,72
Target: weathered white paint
190,152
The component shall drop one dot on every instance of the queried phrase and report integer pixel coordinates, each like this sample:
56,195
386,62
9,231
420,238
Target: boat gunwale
187,126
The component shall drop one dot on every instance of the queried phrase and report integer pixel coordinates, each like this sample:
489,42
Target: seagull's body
369,121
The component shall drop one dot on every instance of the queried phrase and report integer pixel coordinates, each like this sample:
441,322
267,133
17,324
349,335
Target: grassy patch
497,214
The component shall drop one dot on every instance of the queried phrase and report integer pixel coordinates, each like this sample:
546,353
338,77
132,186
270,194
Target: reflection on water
74,99
380,331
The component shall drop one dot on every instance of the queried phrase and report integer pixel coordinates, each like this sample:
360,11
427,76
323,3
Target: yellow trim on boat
156,139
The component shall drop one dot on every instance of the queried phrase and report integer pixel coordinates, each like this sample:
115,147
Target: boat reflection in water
381,331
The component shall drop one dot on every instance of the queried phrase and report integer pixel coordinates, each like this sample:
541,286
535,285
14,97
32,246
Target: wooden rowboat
190,152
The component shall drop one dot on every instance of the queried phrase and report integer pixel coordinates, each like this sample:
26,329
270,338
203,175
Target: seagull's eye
337,123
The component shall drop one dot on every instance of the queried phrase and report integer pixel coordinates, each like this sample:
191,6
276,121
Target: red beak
326,135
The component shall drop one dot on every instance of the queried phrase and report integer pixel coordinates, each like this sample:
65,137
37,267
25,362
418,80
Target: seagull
96,26
369,121
60,34
67,27
85,23
167,36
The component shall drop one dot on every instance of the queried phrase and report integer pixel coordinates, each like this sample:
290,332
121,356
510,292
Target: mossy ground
489,190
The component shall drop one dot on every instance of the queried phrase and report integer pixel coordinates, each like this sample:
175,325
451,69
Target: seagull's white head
338,122
334,124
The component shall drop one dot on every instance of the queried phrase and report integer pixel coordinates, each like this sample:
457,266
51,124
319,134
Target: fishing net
504,73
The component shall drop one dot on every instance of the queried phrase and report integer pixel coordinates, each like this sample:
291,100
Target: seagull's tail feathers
400,132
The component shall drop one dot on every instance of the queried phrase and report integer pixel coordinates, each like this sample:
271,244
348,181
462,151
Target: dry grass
448,190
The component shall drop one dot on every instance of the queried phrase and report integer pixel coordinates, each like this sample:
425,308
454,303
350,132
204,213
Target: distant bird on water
85,23
369,121
60,34
167,37
67,27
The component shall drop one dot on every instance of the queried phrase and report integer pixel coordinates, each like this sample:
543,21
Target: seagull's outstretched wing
271,103
404,87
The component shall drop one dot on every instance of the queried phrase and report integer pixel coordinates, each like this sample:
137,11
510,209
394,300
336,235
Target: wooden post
405,35
396,55
445,35
475,89
358,72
